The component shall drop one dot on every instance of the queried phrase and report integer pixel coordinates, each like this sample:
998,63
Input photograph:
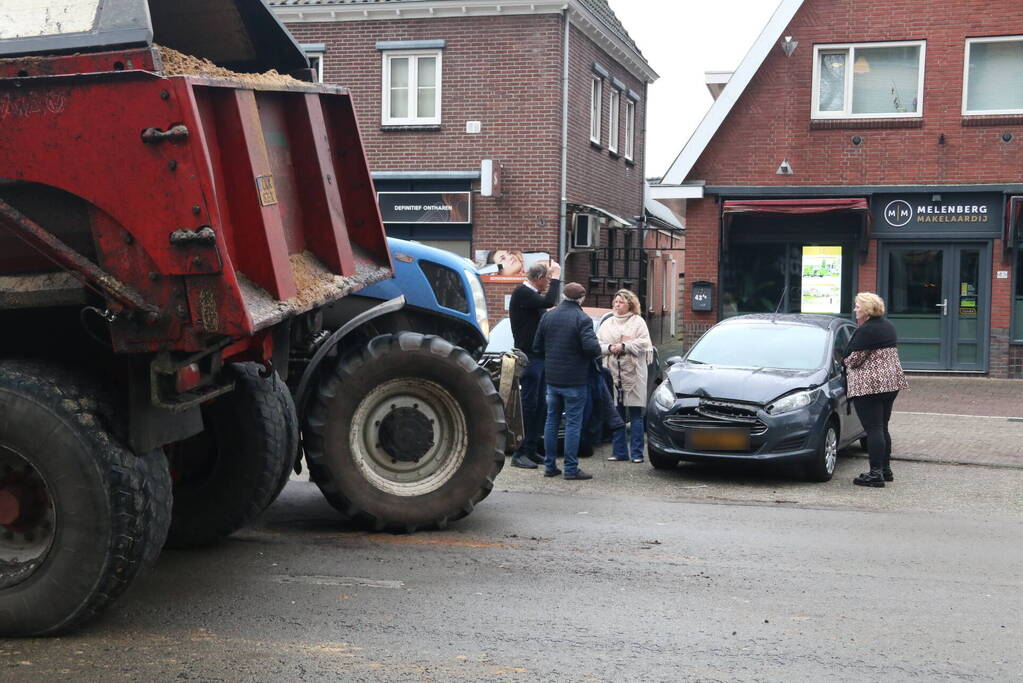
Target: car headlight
664,396
479,302
786,404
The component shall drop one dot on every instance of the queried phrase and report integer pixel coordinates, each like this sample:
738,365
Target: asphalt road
697,574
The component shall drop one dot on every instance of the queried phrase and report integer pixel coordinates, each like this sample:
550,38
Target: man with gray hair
568,344
528,303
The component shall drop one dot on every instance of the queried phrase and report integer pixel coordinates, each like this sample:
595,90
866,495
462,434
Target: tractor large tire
407,433
229,473
80,515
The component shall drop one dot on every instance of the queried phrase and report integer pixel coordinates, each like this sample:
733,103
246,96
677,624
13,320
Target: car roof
812,320
595,312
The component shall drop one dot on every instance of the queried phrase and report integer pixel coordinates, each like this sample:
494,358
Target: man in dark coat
528,303
568,344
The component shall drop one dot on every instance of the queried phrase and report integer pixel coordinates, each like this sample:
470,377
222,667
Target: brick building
442,86
876,146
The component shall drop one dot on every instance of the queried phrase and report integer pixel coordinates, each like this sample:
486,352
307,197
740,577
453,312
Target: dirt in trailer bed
179,64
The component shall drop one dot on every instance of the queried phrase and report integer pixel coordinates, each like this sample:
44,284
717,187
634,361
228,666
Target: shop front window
1017,299
787,277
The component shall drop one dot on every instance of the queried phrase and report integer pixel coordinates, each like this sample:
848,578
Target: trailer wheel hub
27,518
406,434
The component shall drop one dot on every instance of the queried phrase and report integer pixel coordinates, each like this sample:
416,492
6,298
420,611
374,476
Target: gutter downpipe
563,210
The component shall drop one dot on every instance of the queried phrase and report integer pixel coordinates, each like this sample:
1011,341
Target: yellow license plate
723,439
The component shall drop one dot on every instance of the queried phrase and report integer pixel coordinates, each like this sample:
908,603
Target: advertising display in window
877,80
821,280
507,265
993,82
411,92
425,207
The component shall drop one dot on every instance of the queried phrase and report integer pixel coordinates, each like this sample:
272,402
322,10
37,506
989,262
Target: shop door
938,300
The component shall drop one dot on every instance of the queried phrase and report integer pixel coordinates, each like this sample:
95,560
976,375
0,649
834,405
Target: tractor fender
381,309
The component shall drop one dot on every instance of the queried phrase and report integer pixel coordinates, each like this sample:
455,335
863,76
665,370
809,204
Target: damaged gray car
764,387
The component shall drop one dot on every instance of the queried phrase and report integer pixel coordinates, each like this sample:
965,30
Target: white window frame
630,128
596,107
592,227
385,89
315,51
966,75
850,50
318,56
614,100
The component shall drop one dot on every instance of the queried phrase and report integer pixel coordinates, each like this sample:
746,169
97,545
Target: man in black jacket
568,344
528,303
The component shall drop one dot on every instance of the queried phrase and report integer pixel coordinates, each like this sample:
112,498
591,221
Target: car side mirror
674,360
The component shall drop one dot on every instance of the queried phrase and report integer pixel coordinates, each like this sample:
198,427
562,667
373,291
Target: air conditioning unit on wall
585,231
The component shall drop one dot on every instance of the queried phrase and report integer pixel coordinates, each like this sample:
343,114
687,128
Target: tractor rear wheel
407,433
78,510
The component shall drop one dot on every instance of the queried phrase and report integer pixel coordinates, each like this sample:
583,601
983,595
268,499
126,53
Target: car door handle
943,306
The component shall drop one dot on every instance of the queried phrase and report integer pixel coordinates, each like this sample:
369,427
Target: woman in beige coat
627,349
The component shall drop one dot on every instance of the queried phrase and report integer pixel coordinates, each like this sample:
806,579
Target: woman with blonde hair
874,378
626,348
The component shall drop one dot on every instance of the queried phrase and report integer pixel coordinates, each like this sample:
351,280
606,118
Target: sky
681,39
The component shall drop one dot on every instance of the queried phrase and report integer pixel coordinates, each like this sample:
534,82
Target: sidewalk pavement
952,419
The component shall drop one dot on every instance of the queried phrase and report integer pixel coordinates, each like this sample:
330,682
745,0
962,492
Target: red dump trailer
167,246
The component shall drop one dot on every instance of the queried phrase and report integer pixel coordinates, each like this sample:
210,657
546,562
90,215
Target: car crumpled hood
741,384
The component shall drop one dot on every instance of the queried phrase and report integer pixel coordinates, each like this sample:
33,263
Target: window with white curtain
993,82
630,128
411,88
596,100
614,98
868,80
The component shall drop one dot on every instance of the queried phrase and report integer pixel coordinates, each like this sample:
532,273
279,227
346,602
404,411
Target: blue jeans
534,408
634,416
571,401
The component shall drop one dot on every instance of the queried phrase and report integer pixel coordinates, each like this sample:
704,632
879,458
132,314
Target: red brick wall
504,71
771,122
595,177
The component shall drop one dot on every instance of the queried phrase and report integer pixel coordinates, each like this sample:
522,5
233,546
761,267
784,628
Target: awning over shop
1013,223
793,207
597,211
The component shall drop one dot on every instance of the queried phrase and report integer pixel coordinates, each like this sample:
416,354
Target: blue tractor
423,415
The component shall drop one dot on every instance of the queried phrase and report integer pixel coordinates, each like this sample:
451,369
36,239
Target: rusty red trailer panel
234,205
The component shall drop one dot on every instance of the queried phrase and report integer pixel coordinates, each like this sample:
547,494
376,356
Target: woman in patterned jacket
874,378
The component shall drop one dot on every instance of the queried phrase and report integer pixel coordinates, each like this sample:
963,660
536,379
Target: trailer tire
229,473
89,514
286,405
435,437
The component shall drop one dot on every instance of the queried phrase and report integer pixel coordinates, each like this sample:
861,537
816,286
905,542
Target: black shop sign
972,214
424,207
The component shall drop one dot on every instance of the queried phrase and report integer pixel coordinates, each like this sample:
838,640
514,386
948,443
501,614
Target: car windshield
501,339
788,347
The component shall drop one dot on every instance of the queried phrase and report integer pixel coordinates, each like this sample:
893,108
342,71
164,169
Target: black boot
874,478
887,473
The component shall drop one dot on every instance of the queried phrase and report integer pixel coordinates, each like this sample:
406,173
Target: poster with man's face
507,265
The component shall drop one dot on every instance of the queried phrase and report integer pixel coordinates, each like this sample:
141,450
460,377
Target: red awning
794,206
783,207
